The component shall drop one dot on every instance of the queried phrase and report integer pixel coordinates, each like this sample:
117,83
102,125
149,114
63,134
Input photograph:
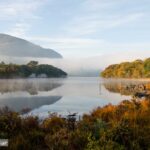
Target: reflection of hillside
127,88
20,103
30,86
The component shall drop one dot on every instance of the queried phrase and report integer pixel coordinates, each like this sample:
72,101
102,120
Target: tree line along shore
31,69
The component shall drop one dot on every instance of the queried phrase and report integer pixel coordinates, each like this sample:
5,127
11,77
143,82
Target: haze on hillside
15,47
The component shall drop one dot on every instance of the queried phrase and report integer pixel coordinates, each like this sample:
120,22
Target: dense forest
32,69
135,69
122,127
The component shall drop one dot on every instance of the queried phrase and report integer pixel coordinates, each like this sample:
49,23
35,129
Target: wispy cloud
91,24
122,20
70,46
87,47
67,42
19,29
98,15
22,12
10,10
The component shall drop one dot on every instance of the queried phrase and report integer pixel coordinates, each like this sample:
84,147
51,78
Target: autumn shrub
125,126
10,122
53,124
57,140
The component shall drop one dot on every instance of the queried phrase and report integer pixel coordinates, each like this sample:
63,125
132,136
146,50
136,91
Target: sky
80,28
89,34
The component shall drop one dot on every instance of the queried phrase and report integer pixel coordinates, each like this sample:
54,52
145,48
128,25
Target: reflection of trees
115,88
30,86
127,88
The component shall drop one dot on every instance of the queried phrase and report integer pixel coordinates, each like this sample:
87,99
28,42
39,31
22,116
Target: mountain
15,47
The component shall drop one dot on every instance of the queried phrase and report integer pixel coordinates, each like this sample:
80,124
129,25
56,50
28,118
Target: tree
32,63
135,69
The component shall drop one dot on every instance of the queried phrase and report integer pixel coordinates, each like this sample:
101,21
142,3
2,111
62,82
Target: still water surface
73,94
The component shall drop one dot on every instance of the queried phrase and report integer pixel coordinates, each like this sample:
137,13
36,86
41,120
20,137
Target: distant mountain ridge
16,47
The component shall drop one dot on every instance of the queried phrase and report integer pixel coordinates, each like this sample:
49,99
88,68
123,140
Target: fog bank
90,66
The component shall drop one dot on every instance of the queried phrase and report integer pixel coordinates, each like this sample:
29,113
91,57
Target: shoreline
128,79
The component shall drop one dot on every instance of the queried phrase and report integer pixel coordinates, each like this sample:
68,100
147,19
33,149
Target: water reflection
32,86
80,95
125,87
62,95
20,103
18,94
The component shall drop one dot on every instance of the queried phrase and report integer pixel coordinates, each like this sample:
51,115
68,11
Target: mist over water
73,94
85,66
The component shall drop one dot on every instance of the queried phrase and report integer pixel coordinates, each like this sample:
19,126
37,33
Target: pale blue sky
79,28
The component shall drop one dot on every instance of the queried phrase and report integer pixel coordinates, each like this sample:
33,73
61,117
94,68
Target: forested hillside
32,69
135,69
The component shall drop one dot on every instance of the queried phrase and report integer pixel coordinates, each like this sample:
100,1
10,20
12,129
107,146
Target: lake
61,95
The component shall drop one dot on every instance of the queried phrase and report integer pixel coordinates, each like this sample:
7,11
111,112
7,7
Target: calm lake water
73,94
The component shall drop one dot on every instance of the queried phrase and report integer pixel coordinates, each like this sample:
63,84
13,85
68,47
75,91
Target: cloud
122,20
67,43
94,5
10,10
77,47
100,15
86,47
92,24
20,14
19,29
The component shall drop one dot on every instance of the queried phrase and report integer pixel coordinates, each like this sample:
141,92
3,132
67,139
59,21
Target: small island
30,70
136,69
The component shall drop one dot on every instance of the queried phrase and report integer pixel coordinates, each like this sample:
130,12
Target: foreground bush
122,127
